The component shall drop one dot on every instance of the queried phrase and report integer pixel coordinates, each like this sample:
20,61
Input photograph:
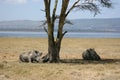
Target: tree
54,43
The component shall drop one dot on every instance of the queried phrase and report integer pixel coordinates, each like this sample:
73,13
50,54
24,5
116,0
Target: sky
31,10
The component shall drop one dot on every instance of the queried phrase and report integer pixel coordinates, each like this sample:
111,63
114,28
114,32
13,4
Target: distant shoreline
85,31
79,25
68,35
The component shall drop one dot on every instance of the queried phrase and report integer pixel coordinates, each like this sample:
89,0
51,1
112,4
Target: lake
68,35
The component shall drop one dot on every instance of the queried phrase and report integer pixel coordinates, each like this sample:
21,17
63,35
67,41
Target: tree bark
54,46
53,52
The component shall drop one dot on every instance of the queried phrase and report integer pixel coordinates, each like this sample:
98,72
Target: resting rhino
90,54
43,59
31,56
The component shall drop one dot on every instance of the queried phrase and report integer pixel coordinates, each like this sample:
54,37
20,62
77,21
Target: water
68,35
94,35
22,34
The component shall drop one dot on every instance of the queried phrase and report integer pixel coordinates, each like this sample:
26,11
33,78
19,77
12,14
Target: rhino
90,54
31,56
43,59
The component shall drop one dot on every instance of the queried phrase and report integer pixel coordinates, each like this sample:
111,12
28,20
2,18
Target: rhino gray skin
43,59
90,54
31,56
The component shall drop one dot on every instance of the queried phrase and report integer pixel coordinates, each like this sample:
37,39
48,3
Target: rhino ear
91,49
87,50
35,51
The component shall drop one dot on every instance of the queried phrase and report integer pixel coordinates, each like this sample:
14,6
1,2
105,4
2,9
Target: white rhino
31,56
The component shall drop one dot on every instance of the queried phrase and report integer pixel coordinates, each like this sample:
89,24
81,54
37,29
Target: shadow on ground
81,61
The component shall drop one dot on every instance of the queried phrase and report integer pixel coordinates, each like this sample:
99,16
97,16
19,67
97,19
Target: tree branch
106,3
64,33
62,17
89,6
54,11
42,10
47,10
45,30
72,8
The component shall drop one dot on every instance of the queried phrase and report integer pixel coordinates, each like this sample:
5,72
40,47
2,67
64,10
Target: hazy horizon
69,19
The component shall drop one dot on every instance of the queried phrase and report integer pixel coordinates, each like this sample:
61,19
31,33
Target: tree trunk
53,54
55,45
53,51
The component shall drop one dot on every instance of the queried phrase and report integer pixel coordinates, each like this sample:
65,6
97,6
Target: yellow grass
71,51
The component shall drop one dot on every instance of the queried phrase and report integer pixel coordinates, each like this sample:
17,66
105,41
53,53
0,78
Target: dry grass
71,50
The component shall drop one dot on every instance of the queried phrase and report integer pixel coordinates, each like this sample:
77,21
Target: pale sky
30,10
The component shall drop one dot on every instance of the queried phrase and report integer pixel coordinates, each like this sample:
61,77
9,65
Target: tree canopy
54,43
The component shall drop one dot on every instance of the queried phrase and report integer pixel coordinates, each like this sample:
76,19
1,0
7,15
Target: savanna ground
74,69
